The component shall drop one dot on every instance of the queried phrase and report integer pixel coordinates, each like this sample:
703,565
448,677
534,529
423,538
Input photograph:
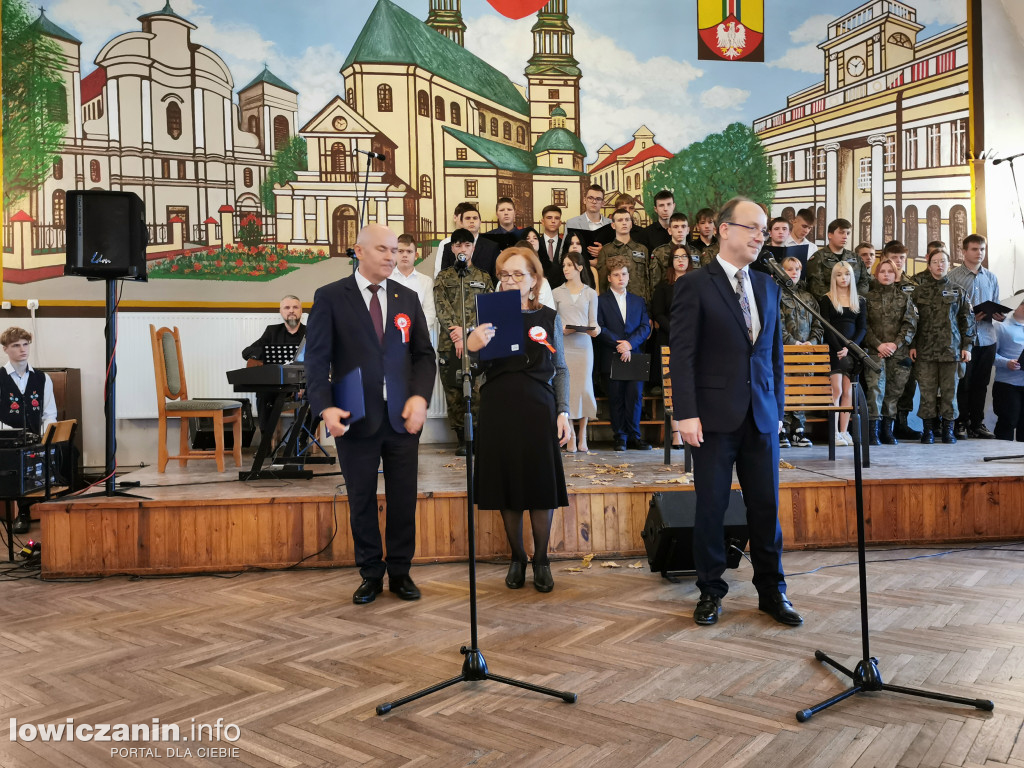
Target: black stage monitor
106,235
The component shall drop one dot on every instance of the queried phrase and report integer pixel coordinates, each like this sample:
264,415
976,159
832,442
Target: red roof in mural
92,84
655,150
613,157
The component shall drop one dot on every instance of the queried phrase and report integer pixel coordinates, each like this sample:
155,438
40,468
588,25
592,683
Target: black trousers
1008,403
359,459
973,389
756,458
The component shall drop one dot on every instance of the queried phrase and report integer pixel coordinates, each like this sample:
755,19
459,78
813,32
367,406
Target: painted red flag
517,9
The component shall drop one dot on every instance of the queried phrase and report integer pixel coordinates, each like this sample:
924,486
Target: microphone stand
866,676
474,666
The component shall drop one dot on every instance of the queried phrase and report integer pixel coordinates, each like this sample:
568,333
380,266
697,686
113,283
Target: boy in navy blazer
625,326
369,322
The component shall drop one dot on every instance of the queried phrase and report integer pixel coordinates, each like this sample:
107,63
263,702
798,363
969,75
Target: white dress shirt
439,256
382,295
49,413
755,315
424,287
620,299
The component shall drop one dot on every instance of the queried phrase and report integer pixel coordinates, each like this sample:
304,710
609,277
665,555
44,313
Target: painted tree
34,102
708,173
286,162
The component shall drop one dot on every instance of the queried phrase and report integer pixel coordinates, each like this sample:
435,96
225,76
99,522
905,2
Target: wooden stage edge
197,521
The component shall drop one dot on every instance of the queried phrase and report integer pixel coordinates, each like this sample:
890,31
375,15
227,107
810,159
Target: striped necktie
741,294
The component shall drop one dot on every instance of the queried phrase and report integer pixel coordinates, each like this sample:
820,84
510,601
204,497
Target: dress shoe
620,446
638,445
367,591
516,574
461,450
959,431
982,432
403,587
708,609
21,524
542,580
777,606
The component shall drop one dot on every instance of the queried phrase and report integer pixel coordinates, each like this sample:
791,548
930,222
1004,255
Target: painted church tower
552,74
446,17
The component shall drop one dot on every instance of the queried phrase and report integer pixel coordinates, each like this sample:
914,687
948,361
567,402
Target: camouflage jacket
798,324
708,254
448,299
946,323
892,317
818,272
639,272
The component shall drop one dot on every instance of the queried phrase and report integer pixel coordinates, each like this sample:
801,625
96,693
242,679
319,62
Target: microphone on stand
374,155
461,263
767,260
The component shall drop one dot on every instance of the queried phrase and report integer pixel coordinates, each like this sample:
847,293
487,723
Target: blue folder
503,310
348,395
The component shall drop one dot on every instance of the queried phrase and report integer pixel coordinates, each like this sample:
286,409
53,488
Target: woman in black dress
661,309
844,309
524,421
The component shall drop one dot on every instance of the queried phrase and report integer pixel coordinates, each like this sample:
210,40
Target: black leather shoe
777,606
403,587
959,431
516,574
620,446
367,591
982,432
708,609
638,445
542,580
21,524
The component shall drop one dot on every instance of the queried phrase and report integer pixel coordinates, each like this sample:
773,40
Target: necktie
377,315
551,250
741,294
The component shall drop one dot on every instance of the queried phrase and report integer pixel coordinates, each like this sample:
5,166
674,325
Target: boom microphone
374,155
767,259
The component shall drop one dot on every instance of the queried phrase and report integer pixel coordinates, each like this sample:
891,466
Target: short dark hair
778,220
861,246
508,200
839,224
623,211
550,209
704,213
463,208
461,235
665,194
974,238
807,215
937,250
13,334
894,246
405,239
677,216
596,188
729,209
936,244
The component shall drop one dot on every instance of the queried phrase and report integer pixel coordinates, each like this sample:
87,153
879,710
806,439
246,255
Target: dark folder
637,369
348,395
992,308
588,237
504,311
501,239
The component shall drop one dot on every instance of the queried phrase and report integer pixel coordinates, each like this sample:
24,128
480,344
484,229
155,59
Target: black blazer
717,374
485,256
340,337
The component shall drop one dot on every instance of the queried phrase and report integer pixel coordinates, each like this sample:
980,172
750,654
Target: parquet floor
287,658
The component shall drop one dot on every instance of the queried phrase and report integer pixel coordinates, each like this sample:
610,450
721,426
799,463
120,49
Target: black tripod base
866,678
475,668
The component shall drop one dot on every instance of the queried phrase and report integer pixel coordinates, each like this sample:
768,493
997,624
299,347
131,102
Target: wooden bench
807,387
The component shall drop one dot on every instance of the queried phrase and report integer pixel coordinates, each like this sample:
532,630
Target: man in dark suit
625,326
726,341
551,245
485,252
369,322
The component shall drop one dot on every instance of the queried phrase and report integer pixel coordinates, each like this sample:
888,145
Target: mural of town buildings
264,184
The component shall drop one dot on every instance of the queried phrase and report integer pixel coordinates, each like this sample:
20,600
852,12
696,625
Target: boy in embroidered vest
26,398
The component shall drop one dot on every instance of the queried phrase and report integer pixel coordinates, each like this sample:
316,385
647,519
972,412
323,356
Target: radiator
211,345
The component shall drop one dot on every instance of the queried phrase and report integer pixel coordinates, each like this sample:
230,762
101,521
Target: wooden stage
196,520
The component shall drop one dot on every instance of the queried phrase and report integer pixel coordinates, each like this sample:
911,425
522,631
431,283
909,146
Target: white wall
1003,73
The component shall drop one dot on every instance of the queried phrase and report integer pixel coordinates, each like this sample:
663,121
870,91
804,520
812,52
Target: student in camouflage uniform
892,323
634,253
448,303
799,326
818,272
945,333
896,252
661,257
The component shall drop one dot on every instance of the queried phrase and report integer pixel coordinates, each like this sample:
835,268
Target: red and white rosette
403,323
539,335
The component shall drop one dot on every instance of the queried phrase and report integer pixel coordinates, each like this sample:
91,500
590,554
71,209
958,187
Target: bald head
377,251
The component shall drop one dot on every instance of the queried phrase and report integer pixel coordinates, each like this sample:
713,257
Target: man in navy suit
726,342
369,322
625,326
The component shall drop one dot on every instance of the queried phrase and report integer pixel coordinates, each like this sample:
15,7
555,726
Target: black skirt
518,459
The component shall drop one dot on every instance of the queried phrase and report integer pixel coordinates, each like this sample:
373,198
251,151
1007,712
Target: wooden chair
173,403
807,388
